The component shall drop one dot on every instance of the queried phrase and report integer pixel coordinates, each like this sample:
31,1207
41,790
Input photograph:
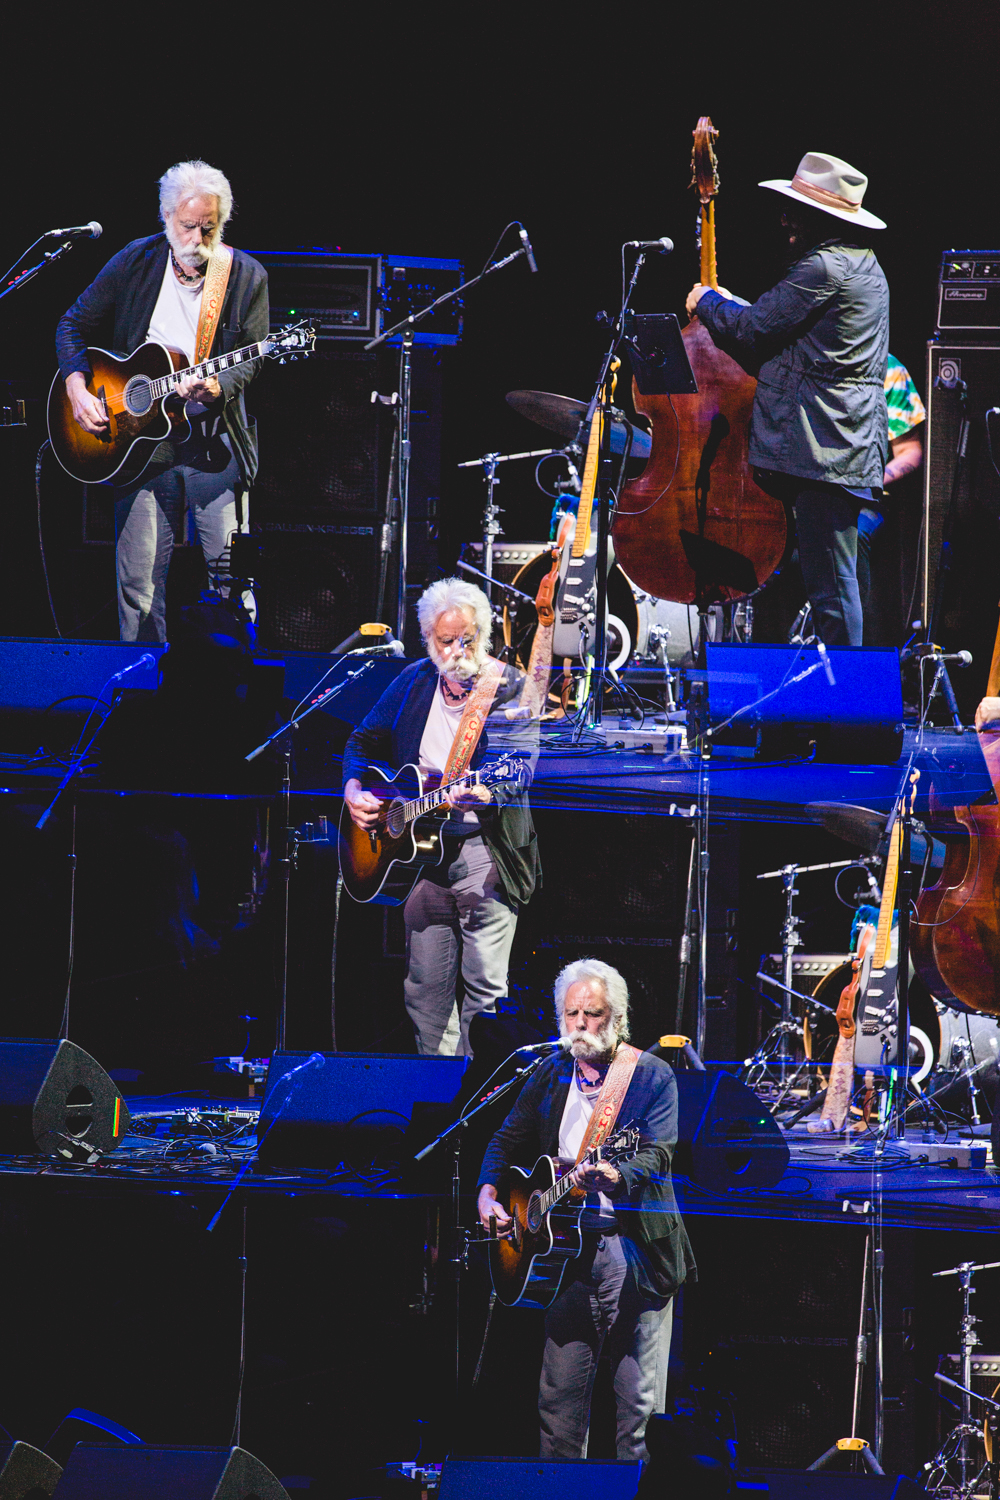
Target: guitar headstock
623,1144
704,167
294,341
511,771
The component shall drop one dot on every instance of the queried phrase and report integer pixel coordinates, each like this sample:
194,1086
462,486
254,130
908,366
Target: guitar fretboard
588,485
210,367
421,806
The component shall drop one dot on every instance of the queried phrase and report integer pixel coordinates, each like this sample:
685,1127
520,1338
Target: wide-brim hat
827,183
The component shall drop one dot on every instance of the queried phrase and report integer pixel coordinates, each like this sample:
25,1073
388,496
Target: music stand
659,357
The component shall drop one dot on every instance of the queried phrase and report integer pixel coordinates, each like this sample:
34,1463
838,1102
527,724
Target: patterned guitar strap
473,720
610,1100
213,294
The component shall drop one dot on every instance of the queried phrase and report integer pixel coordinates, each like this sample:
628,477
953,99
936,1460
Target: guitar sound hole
395,819
534,1214
137,396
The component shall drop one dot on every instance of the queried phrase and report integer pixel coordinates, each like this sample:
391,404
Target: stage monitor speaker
725,1136
26,1473
56,1099
856,719
321,1108
96,1472
820,1484
538,1479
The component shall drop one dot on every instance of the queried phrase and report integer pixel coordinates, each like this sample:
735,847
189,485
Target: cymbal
561,415
855,825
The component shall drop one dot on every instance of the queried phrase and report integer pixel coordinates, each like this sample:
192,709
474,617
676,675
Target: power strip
659,739
968,1156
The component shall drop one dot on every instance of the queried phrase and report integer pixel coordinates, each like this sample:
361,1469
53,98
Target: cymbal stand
397,499
491,511
957,1445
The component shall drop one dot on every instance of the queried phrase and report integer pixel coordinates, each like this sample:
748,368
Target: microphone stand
48,259
461,1237
397,502
592,708
290,850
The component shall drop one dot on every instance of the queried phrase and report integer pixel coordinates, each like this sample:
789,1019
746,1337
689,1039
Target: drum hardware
491,511
790,940
956,1450
563,415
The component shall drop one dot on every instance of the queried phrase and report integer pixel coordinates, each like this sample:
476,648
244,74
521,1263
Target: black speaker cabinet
346,1105
537,1479
96,1472
725,1136
968,618
26,1473
56,1099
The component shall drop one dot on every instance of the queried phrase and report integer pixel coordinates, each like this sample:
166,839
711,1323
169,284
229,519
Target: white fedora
827,183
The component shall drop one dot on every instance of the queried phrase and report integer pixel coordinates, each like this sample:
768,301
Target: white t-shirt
599,1212
175,320
436,741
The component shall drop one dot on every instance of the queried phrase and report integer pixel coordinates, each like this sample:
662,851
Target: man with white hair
460,916
636,1252
153,291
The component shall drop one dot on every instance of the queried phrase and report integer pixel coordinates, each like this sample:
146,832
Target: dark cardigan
116,309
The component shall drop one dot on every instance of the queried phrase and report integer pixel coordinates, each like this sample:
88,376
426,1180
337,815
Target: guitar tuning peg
282,360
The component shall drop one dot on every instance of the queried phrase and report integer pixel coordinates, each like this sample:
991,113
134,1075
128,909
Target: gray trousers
149,519
458,921
600,1303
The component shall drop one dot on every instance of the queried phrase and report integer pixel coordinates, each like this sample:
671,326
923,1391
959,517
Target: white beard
465,668
589,1048
195,256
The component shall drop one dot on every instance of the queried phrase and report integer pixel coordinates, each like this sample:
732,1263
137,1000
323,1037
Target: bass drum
669,633
519,619
969,1051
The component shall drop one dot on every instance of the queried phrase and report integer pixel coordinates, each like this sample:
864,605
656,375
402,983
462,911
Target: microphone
529,253
394,648
663,246
145,660
314,1060
824,656
91,231
562,1045
960,658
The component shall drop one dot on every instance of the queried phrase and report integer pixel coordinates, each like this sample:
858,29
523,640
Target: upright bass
694,527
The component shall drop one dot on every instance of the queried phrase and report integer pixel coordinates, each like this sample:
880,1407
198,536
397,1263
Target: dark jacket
390,738
818,343
653,1235
117,307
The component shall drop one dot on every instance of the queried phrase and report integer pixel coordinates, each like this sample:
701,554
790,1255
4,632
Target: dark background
381,130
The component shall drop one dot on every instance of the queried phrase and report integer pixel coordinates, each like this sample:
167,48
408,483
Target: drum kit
954,1051
642,629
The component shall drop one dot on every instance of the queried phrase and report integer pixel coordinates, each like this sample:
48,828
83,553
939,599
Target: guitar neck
588,485
558,1190
888,904
209,367
421,806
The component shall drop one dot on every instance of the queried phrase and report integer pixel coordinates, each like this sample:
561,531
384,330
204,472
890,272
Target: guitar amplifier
350,299
969,292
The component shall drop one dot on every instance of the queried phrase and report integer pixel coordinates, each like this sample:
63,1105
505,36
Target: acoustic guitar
383,864
138,396
528,1261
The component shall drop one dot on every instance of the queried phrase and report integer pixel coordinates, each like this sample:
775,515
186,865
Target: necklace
450,695
189,278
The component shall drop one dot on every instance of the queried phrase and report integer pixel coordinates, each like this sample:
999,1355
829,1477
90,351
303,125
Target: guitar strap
473,720
609,1101
213,294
